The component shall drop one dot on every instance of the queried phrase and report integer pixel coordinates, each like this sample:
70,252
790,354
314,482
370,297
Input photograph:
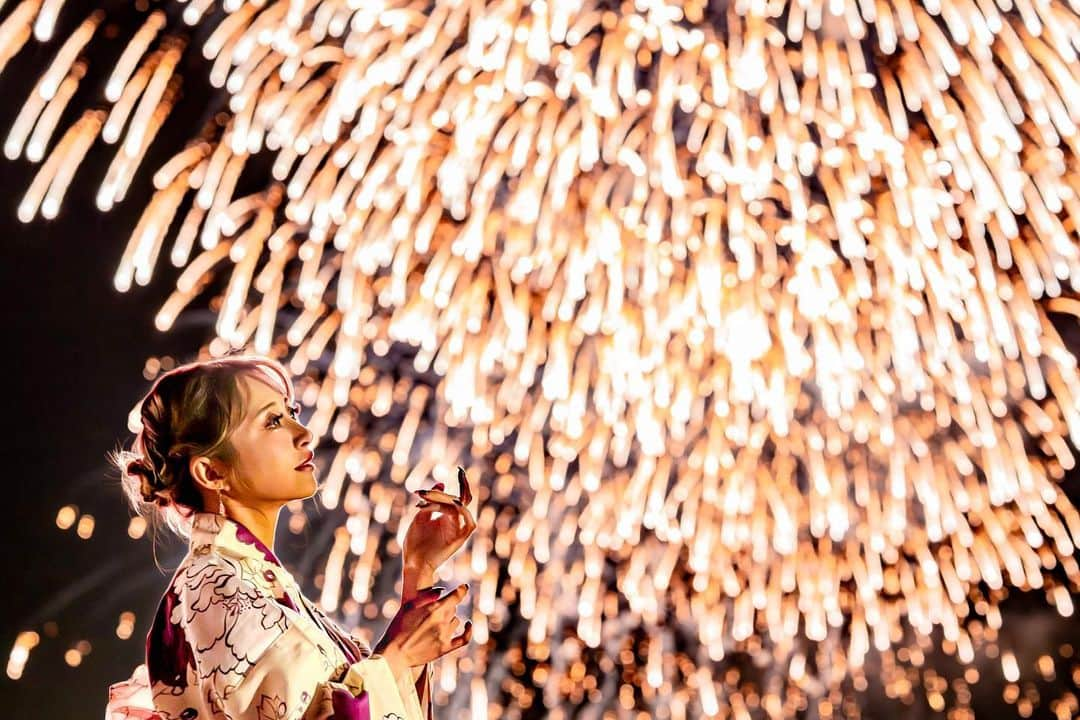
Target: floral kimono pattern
235,639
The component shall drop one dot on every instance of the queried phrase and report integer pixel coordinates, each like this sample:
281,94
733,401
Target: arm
415,577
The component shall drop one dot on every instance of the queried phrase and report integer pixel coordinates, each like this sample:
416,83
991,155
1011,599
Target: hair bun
140,467
147,480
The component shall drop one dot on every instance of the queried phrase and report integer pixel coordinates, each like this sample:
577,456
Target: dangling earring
221,504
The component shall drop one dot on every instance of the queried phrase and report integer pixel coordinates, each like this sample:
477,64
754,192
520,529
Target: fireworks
741,309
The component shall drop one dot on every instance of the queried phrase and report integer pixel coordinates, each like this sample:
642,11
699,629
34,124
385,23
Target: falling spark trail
696,296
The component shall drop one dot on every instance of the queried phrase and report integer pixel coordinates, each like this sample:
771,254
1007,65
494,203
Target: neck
261,522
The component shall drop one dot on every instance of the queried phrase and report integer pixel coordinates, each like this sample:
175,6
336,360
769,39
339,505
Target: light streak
760,315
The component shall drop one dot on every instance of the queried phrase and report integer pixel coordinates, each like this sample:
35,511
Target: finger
455,596
466,521
440,497
426,596
449,642
462,639
463,486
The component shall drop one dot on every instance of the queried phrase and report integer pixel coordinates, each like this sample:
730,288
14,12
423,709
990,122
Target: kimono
235,639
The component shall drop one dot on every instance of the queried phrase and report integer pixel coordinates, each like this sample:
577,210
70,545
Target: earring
221,504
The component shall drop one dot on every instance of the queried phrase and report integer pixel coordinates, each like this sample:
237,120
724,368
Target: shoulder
222,600
213,618
207,567
214,624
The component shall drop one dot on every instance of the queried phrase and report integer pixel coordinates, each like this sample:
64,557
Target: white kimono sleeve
292,680
255,663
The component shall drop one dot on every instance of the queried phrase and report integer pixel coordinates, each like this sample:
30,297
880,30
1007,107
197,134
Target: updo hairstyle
190,411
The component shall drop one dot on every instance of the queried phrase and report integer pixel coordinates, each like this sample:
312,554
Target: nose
305,436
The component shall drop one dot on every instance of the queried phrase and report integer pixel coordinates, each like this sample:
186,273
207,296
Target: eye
275,420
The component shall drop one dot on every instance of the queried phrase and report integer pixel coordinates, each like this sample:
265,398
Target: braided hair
189,412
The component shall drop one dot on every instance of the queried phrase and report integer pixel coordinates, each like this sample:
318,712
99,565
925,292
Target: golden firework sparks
748,300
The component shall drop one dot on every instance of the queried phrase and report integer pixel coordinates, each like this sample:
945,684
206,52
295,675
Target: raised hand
440,528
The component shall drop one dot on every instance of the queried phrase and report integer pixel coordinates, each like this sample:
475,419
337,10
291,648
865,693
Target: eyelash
294,412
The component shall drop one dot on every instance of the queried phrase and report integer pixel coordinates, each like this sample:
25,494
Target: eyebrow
267,406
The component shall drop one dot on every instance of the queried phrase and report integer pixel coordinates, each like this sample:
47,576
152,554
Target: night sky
75,354
74,351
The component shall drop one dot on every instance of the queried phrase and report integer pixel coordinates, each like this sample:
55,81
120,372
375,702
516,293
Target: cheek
263,462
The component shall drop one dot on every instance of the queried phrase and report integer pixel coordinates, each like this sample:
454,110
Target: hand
440,528
423,630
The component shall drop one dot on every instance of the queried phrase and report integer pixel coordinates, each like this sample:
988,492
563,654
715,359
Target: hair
189,411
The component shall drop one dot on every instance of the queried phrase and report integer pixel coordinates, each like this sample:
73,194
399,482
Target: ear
208,473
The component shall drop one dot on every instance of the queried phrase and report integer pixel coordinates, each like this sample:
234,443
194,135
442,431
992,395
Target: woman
220,451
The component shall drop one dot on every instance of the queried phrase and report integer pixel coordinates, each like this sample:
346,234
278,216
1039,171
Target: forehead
258,388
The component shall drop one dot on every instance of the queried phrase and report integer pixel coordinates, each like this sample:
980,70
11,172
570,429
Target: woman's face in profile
270,447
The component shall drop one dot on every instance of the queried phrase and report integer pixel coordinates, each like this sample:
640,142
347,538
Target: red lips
307,460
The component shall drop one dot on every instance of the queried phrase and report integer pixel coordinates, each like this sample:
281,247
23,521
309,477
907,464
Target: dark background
73,358
73,355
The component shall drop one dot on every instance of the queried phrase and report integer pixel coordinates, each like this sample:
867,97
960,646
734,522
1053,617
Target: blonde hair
188,412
